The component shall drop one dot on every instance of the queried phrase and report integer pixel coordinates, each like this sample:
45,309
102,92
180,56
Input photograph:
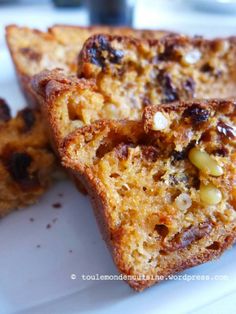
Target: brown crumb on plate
56,205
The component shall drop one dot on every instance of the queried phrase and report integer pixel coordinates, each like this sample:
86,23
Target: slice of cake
132,73
26,160
33,51
163,190
120,76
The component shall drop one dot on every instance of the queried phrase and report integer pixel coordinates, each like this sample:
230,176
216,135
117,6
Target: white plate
220,6
38,279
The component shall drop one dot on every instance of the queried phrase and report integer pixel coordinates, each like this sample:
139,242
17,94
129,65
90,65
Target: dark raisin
18,164
221,152
189,87
163,252
116,56
96,52
169,53
29,118
162,230
150,153
196,113
195,182
190,235
95,56
207,68
103,42
226,130
169,91
177,156
181,155
214,246
102,150
31,54
206,136
5,112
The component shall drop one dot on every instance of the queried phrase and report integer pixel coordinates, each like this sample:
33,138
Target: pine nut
204,162
160,122
183,201
192,57
209,194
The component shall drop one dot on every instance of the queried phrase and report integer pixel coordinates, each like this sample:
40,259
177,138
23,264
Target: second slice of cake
163,189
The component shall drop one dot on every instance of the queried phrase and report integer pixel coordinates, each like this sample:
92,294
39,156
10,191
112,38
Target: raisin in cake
26,160
33,51
120,76
132,73
163,190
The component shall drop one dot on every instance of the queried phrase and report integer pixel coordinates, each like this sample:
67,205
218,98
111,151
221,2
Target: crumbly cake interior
162,210
131,74
26,160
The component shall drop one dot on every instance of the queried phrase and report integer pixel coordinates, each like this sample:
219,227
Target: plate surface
42,261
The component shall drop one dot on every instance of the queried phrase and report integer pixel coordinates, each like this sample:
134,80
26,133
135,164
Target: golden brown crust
120,140
48,86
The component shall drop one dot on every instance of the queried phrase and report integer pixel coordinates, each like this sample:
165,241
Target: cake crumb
56,205
38,246
48,226
70,251
31,219
60,194
54,220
